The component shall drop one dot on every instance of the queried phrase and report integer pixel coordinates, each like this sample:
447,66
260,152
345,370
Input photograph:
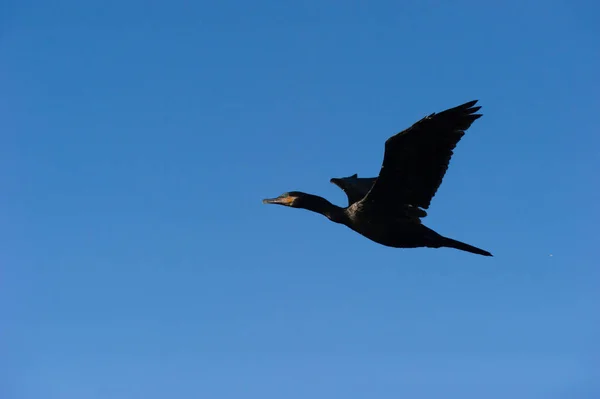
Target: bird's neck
320,205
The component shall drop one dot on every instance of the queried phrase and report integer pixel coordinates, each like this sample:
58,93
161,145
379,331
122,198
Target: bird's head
293,199
314,203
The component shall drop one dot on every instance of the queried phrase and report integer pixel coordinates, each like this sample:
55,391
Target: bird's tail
449,242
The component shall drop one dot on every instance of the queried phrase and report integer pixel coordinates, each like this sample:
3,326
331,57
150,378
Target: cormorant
388,209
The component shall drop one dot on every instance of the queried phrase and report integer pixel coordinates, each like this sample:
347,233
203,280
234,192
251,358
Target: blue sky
138,139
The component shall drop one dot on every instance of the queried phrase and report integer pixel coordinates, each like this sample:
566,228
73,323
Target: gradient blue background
138,139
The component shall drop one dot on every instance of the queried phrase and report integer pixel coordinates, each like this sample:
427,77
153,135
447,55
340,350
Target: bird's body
388,209
400,229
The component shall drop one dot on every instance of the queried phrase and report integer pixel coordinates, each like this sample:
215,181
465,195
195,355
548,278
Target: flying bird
387,209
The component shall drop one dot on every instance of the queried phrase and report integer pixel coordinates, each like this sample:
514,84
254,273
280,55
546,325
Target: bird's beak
271,201
279,200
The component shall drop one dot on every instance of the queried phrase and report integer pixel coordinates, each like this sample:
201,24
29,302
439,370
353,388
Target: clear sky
138,139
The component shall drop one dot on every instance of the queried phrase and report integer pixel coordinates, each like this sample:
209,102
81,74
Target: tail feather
449,242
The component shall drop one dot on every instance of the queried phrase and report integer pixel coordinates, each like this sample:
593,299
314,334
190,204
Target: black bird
389,211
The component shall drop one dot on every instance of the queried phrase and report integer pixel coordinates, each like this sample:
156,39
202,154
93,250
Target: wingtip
468,107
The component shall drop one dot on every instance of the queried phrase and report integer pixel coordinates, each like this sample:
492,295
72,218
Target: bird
387,209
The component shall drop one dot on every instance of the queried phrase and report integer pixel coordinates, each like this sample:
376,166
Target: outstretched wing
355,187
416,159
